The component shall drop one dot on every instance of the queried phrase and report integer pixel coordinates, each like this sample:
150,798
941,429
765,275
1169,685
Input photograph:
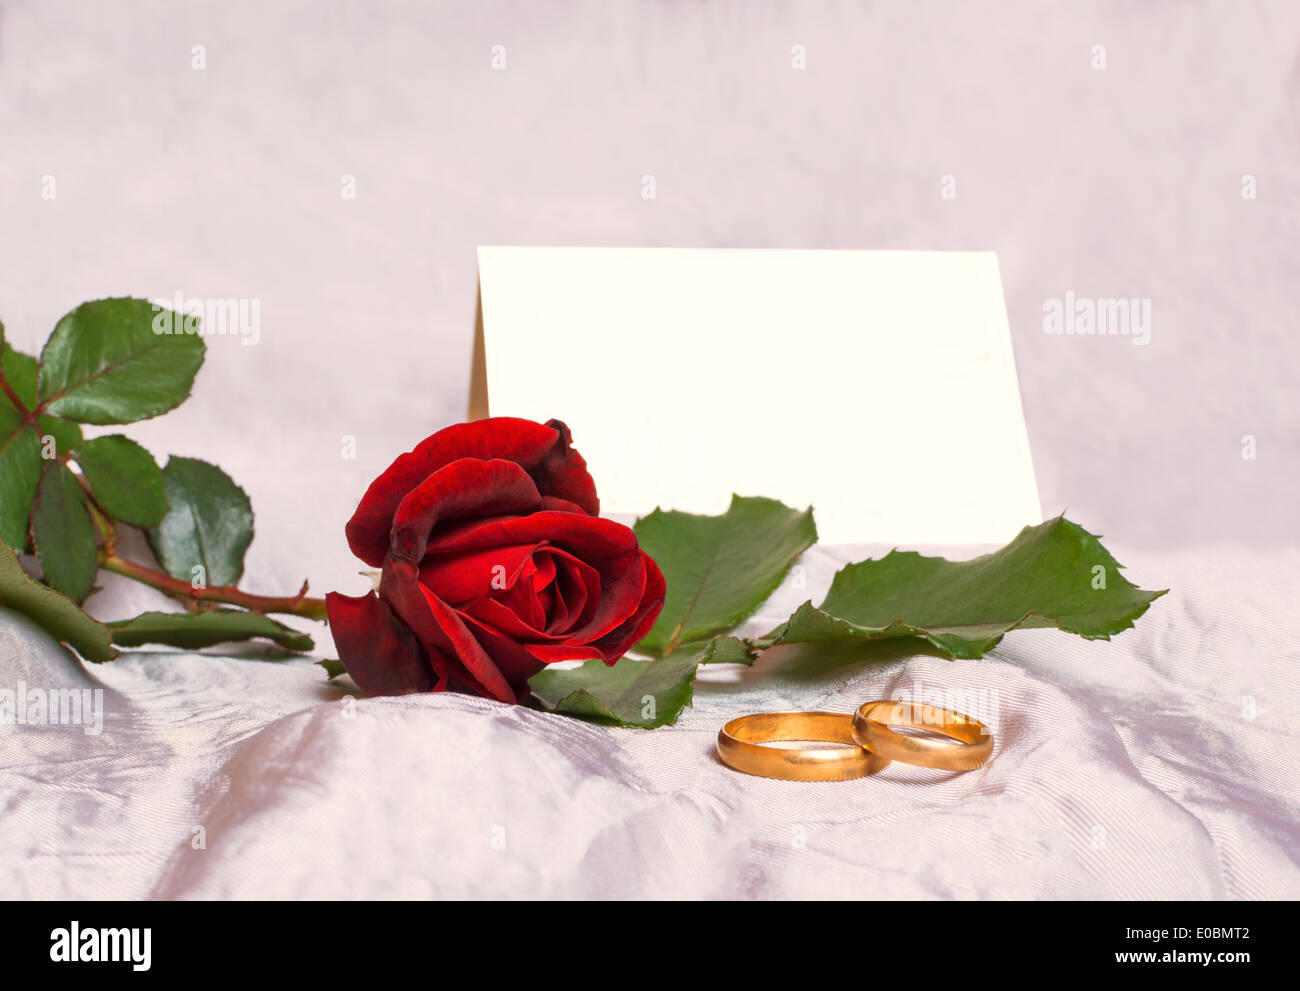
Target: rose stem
294,605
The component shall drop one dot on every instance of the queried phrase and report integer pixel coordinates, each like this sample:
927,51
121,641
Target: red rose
494,565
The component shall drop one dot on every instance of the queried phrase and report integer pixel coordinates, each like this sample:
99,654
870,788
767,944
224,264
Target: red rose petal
507,438
608,546
510,659
560,505
499,616
549,653
479,664
620,596
521,600
441,627
520,611
378,650
577,585
590,538
461,577
563,473
560,612
546,597
559,472
463,488
543,569
492,613
628,634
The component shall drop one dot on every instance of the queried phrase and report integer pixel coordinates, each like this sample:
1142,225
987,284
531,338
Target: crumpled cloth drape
1159,765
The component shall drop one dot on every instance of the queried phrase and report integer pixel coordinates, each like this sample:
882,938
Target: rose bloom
495,564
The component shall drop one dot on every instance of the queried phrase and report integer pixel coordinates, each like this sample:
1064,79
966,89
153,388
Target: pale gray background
227,182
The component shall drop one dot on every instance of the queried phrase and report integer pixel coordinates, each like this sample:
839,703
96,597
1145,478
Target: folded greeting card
877,386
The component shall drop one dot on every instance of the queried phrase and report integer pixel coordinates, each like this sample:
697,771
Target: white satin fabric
1159,765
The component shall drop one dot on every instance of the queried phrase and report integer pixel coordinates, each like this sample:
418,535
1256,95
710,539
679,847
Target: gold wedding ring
873,729
740,745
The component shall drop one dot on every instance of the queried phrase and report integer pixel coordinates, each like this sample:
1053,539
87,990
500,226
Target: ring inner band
969,746
740,746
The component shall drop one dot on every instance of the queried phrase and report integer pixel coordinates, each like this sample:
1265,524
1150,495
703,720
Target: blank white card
878,387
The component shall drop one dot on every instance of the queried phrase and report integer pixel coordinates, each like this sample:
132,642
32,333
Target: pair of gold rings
872,736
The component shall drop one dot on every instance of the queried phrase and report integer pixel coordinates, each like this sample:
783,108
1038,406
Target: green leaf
20,447
66,434
20,478
208,525
63,534
191,631
105,364
20,373
727,650
632,693
124,479
58,614
333,668
719,569
1053,575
